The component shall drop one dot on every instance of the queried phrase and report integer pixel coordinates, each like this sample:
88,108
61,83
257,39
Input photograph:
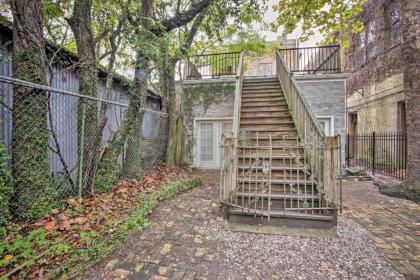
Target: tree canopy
333,18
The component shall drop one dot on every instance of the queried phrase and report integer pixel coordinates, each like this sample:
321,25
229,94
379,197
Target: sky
271,16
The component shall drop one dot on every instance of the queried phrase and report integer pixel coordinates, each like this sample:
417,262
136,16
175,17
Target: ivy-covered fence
56,145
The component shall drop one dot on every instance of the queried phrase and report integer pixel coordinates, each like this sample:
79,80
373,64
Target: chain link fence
57,145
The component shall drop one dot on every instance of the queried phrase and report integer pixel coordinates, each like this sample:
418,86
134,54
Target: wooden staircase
288,196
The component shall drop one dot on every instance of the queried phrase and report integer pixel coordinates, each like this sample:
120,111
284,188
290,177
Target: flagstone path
187,240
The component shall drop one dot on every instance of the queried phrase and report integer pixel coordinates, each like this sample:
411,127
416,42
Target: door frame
217,121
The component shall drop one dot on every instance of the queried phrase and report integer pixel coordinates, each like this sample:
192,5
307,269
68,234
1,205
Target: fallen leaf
72,201
50,226
80,220
8,257
40,223
65,225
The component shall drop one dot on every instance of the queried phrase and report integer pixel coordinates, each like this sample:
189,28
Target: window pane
206,141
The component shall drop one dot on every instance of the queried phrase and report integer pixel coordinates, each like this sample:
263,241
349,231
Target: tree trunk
171,110
410,26
132,165
81,25
34,192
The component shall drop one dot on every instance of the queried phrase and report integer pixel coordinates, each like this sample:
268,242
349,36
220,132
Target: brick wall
375,64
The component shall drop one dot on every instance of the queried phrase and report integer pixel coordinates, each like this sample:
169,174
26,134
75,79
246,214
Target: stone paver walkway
187,240
175,246
394,224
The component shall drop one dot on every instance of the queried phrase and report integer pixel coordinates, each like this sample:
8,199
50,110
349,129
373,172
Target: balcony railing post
312,60
213,65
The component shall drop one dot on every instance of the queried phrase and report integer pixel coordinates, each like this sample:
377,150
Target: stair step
261,81
277,115
262,89
291,175
277,181
266,114
273,134
277,189
278,195
267,109
268,103
262,94
267,128
267,121
285,214
274,142
263,98
274,168
277,157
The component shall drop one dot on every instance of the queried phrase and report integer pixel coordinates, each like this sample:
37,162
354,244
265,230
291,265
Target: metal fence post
373,152
81,154
348,150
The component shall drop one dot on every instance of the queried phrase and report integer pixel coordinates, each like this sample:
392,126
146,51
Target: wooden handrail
322,152
238,97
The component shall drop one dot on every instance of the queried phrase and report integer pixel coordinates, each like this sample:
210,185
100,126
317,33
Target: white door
209,135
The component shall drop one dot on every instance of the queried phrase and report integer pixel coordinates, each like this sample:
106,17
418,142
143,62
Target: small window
264,69
327,125
392,23
371,32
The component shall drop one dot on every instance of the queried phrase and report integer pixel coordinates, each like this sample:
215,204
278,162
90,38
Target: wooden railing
323,154
229,167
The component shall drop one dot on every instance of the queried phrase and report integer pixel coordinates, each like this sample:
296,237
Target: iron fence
57,145
212,65
312,60
381,153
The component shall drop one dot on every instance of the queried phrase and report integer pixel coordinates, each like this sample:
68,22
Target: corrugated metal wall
64,109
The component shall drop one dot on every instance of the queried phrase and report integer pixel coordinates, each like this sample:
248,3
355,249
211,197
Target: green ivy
6,191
